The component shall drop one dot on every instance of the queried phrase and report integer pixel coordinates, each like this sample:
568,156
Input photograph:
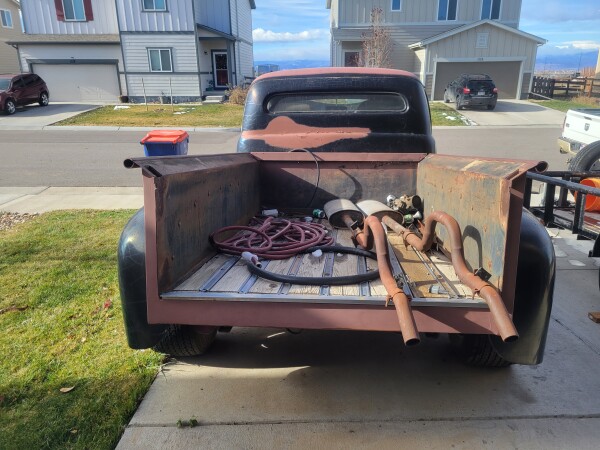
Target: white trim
448,7
75,19
160,49
392,6
165,9
491,8
12,22
459,30
520,83
343,62
484,60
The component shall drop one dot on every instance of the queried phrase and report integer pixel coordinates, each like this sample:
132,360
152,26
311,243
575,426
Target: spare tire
586,159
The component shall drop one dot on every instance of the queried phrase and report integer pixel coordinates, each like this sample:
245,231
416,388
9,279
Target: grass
223,115
217,115
62,327
565,105
444,115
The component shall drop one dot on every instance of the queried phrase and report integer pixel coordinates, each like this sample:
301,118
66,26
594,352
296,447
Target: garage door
80,82
505,75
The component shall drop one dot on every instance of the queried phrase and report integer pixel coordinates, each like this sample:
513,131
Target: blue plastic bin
166,143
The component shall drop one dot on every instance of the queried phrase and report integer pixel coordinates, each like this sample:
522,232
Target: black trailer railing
575,217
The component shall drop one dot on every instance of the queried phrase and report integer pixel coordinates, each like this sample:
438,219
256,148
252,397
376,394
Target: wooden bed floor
429,277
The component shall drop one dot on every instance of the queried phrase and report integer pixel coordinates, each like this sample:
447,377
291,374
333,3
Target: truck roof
336,71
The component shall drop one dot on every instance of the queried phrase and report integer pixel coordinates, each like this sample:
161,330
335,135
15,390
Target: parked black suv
19,90
472,90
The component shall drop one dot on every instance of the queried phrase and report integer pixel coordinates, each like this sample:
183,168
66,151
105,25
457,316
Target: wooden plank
201,276
445,266
263,286
310,267
344,265
233,280
375,287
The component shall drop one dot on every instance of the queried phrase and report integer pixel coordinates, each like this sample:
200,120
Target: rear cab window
337,103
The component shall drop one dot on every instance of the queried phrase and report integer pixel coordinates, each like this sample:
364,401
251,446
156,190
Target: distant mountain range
574,62
296,64
571,61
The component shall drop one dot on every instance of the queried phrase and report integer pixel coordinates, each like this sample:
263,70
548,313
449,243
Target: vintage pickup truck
229,240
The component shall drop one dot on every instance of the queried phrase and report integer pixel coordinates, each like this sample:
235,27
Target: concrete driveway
514,113
260,388
36,117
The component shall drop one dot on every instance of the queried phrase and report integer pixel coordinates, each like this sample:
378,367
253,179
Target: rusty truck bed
429,278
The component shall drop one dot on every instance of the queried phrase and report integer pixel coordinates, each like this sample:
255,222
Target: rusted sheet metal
169,165
485,196
189,205
289,178
282,132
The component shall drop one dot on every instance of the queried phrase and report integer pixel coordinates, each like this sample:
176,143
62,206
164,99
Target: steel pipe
373,232
490,295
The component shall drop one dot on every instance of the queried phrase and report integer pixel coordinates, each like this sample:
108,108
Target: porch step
214,99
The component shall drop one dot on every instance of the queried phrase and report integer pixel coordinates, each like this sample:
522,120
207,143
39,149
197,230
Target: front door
220,71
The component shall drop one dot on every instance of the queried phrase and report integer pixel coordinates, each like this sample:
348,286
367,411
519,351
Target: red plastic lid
169,136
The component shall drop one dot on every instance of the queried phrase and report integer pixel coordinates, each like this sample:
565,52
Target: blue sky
299,29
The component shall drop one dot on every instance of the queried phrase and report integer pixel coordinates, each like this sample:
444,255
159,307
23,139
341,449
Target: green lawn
565,105
216,115
62,328
442,114
223,115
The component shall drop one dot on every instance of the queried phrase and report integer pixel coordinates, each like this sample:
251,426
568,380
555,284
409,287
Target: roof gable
464,28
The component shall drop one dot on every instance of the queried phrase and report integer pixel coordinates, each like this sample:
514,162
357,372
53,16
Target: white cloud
585,45
261,35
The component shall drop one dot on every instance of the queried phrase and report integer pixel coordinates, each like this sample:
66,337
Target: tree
377,43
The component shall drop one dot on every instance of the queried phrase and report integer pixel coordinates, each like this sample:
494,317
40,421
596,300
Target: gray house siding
184,78
178,17
39,17
214,14
9,60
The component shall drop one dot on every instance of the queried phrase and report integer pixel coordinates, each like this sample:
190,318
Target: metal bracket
483,274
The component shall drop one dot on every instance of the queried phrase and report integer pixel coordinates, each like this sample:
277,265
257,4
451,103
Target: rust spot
283,132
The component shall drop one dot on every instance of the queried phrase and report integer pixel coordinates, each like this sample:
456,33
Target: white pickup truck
581,137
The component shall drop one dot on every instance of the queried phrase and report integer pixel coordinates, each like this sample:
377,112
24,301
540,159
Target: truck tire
586,159
183,340
477,350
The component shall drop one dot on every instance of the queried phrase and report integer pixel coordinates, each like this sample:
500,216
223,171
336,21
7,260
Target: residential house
100,50
440,39
10,28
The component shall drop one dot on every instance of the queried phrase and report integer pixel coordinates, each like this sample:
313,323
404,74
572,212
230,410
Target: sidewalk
42,199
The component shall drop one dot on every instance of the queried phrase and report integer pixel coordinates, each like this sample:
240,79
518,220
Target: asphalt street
95,158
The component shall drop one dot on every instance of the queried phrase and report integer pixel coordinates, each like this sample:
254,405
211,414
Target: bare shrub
377,44
237,95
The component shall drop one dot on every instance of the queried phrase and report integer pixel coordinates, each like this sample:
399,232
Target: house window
154,5
396,5
490,9
6,18
74,10
447,9
351,59
160,60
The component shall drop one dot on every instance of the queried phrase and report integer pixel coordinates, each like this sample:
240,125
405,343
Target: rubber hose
321,281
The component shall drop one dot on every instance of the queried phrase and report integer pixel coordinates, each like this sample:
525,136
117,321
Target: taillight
495,90
466,91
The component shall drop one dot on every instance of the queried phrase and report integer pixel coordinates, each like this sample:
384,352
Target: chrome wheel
44,100
10,107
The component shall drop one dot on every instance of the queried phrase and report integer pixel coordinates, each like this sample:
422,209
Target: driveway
514,113
34,116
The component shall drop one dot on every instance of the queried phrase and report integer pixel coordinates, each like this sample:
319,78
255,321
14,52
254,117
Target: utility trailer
558,211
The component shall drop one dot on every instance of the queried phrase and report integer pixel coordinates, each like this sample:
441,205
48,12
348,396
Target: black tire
446,99
491,107
183,340
477,350
458,104
44,99
10,107
586,159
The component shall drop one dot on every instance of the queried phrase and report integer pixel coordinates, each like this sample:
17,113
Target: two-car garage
97,83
